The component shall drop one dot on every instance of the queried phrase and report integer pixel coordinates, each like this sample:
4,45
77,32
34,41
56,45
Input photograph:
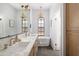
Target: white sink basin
15,49
19,46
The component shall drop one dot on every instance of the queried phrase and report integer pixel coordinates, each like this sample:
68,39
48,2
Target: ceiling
32,5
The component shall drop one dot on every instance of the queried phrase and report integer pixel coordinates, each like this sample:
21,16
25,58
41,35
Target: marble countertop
22,48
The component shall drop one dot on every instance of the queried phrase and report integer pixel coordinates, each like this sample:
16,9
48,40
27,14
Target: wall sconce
26,6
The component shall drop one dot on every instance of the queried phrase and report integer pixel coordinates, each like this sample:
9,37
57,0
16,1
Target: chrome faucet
16,39
12,41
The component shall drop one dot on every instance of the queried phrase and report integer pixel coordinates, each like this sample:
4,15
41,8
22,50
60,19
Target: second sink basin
19,46
15,50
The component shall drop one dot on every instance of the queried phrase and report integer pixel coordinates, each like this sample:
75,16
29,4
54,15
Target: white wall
53,9
7,12
34,25
56,29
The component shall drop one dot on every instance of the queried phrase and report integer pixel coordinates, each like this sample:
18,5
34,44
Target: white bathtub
43,41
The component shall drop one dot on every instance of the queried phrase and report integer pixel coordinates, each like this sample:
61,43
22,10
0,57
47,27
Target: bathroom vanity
27,46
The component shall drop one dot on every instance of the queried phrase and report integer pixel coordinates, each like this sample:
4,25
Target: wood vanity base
34,50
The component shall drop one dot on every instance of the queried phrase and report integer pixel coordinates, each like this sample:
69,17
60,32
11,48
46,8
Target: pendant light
41,15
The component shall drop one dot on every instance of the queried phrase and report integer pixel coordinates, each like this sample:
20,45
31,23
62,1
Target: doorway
72,29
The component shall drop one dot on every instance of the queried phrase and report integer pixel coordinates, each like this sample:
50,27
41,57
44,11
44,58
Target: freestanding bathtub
43,41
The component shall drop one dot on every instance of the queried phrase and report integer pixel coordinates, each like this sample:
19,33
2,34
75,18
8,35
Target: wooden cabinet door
72,29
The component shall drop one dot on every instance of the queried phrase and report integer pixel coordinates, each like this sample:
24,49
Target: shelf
41,22
41,27
24,27
41,33
40,30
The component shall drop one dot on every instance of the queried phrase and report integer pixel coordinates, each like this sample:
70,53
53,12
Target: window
41,26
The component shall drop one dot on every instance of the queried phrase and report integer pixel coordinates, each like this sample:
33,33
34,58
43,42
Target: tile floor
47,51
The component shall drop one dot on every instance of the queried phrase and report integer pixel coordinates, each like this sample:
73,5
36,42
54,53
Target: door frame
63,29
